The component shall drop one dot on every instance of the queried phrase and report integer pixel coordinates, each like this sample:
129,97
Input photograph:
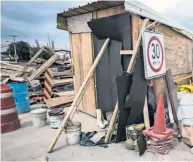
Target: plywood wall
82,54
82,59
178,50
109,12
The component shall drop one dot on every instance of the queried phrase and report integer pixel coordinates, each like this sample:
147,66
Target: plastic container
186,105
56,117
20,93
39,117
56,121
73,133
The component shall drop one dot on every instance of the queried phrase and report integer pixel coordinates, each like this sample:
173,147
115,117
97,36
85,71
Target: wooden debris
42,159
42,69
183,78
59,82
58,101
173,99
66,93
187,134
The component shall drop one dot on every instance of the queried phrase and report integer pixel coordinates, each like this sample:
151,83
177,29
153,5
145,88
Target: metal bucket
39,117
20,93
73,133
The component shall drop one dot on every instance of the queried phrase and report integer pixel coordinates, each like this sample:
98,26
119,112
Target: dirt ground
30,143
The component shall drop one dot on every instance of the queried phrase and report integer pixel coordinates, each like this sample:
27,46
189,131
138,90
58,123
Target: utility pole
15,55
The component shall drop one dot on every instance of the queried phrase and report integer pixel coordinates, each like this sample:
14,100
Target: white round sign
155,54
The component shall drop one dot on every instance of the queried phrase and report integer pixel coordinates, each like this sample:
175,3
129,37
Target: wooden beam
146,114
129,70
126,52
43,67
78,96
183,78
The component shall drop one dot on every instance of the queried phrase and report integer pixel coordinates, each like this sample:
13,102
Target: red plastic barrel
9,117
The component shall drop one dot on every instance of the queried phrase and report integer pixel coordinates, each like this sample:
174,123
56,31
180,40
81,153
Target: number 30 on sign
153,54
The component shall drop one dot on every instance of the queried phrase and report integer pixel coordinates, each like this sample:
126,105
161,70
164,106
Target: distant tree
37,43
22,48
45,55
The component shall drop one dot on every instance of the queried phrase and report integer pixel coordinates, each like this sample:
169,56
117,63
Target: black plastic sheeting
138,91
136,88
117,28
106,71
123,83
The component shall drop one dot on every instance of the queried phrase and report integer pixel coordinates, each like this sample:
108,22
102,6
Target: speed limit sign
153,54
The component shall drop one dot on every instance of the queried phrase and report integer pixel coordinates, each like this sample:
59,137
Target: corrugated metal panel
145,11
130,6
94,6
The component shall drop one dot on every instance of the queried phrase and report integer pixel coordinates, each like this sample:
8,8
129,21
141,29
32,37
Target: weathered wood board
178,50
58,101
82,55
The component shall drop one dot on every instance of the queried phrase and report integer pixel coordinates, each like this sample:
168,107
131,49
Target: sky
37,20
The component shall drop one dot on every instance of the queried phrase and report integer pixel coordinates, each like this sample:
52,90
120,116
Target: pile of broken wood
61,85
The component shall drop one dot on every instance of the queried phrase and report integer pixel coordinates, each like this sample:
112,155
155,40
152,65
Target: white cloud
179,11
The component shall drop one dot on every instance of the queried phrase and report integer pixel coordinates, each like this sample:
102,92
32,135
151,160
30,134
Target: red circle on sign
154,69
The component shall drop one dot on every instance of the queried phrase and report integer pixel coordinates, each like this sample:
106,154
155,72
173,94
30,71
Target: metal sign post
154,54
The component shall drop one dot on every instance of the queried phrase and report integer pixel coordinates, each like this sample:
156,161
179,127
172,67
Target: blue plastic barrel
20,93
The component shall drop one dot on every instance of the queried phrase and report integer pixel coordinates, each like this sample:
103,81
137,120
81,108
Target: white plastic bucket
56,121
39,117
73,134
186,104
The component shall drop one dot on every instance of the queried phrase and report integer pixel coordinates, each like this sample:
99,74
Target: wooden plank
135,28
58,101
187,134
82,53
173,99
76,62
58,82
183,78
146,114
126,52
66,93
79,96
47,64
110,11
89,102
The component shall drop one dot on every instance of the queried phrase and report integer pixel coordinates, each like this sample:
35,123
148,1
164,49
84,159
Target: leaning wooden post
78,96
129,70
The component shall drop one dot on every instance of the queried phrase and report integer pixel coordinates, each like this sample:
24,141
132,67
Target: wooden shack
178,42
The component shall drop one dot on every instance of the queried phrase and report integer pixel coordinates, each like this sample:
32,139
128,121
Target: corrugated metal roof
90,7
145,11
130,6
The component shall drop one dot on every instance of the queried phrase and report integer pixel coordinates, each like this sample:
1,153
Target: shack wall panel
110,11
178,50
78,24
82,54
75,53
89,102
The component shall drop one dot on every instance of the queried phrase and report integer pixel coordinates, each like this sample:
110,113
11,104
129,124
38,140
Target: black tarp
108,68
136,88
123,83
117,27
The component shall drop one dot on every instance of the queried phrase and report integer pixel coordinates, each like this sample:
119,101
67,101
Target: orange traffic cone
159,122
